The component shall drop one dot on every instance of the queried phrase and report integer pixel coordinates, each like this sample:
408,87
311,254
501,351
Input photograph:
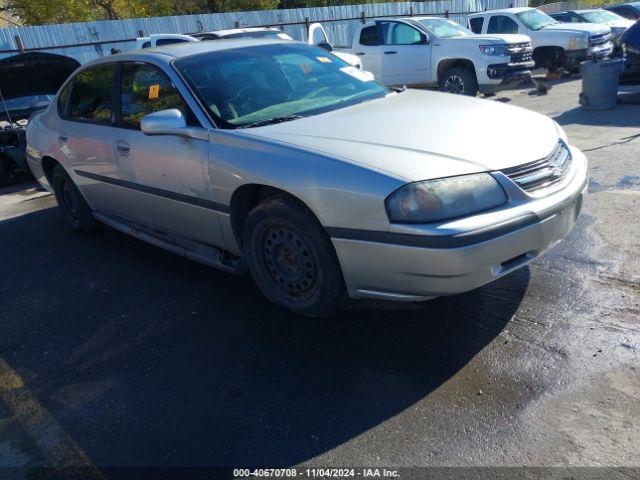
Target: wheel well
246,198
543,55
445,65
48,164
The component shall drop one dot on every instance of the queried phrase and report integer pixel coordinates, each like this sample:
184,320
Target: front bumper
375,267
574,57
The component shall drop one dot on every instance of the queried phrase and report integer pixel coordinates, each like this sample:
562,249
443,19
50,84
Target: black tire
459,80
291,258
75,211
4,174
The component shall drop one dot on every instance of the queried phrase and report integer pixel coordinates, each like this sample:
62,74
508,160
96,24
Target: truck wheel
75,211
460,81
292,259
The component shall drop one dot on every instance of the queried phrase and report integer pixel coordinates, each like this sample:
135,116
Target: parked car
162,39
315,30
631,54
276,157
433,51
24,89
615,22
630,10
556,45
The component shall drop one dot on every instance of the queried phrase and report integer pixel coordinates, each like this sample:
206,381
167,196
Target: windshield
535,20
443,28
600,16
242,86
25,103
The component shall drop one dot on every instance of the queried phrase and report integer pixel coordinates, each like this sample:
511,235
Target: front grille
521,52
600,39
542,174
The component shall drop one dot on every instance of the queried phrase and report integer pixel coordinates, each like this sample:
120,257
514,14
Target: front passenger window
147,89
502,24
396,33
90,99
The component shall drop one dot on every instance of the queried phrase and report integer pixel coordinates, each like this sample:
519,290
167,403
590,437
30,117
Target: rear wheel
75,210
460,81
292,259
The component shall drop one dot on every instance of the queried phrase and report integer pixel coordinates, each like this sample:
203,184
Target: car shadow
149,359
622,116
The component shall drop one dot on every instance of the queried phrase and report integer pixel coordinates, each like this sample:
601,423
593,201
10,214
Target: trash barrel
600,84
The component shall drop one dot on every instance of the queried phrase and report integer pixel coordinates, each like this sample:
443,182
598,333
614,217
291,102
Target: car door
369,49
405,54
85,139
170,188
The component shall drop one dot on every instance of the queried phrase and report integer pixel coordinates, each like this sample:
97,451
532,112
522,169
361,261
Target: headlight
494,50
578,42
444,198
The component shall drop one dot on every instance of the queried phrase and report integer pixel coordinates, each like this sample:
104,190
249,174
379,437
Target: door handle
360,54
123,148
63,137
390,52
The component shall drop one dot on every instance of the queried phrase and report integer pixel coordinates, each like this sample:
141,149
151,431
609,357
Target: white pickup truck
555,45
434,51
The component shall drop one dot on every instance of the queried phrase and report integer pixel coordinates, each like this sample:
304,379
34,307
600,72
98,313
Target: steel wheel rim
289,262
454,84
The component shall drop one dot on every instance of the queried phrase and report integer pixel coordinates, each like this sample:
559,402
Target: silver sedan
279,158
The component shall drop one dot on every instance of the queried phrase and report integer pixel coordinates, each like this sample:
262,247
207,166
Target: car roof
168,53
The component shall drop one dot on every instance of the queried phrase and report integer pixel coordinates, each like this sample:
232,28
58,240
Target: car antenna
5,106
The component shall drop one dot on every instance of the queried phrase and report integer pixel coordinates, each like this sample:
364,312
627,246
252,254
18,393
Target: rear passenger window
90,99
370,36
147,89
502,24
475,24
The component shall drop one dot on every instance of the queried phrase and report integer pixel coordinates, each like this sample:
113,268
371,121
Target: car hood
34,74
590,28
417,135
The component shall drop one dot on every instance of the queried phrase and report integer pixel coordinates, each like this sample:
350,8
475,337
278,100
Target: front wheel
460,81
291,258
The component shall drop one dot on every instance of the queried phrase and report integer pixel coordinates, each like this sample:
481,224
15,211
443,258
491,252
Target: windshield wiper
271,121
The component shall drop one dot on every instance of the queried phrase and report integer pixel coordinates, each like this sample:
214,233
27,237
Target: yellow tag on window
324,59
154,91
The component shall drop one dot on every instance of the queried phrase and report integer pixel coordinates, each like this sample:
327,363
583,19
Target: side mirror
171,122
326,46
424,40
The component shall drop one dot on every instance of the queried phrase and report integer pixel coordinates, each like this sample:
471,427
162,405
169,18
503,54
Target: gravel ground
116,353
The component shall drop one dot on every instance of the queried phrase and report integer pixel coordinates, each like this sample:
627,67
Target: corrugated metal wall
86,41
